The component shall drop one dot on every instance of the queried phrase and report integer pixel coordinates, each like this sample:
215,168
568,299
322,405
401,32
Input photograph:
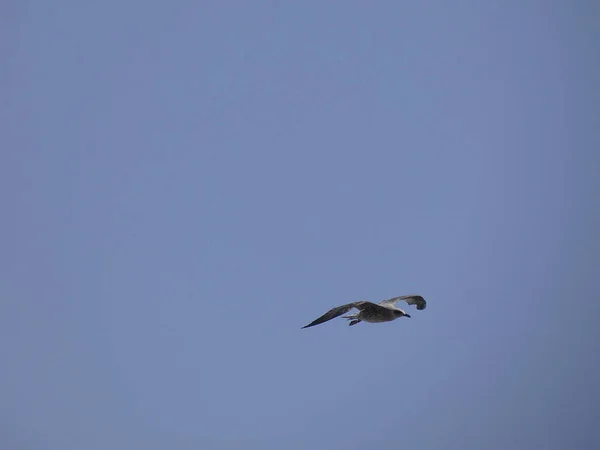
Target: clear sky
185,184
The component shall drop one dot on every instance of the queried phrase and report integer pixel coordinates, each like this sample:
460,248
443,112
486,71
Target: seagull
384,311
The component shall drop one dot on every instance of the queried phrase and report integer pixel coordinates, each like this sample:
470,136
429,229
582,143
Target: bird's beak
407,315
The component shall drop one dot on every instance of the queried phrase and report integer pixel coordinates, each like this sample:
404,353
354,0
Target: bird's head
400,313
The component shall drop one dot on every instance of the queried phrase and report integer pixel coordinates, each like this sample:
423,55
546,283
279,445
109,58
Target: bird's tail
352,318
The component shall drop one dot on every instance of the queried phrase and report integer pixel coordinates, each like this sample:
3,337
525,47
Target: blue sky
184,185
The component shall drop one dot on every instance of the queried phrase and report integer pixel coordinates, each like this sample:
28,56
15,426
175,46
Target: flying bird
384,311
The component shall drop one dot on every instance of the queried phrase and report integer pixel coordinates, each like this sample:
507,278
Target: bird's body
384,311
377,314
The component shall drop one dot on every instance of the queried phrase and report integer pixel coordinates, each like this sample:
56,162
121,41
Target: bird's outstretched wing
410,299
338,311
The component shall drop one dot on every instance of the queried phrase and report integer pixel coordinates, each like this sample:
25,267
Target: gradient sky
186,184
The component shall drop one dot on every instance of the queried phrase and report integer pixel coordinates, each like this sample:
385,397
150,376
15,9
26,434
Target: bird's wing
338,311
410,299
